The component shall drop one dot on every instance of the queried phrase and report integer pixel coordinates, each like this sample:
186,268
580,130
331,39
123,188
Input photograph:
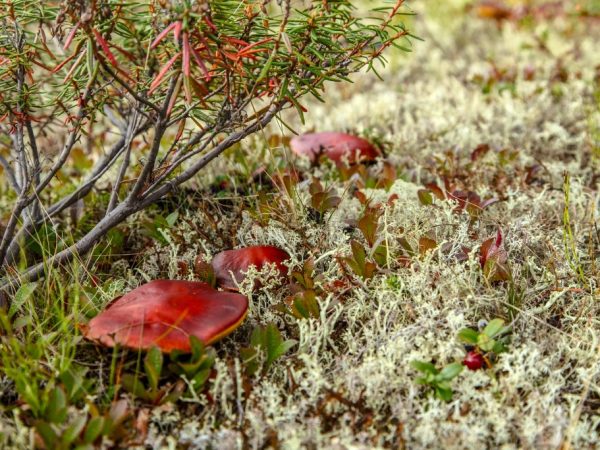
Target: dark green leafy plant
85,431
194,367
436,379
359,262
151,391
492,339
154,228
266,346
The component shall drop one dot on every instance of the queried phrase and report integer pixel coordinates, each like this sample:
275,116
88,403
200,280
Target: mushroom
335,146
230,266
165,313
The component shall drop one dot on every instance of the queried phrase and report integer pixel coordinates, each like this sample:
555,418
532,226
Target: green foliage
438,379
84,431
194,367
303,304
154,228
21,296
153,385
266,346
360,264
492,339
162,88
322,200
151,390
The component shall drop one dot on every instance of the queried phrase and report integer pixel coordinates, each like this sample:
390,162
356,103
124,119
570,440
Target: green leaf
93,430
171,219
268,341
443,393
273,342
56,411
74,429
499,347
75,382
485,343
468,335
305,305
200,378
21,296
424,367
153,367
47,433
450,371
250,356
266,67
133,385
358,252
283,348
425,197
494,327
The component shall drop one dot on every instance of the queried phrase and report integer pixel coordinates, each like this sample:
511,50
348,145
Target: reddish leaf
186,55
495,10
105,48
162,34
200,64
436,190
335,146
70,36
230,265
493,258
162,73
210,24
479,151
426,244
177,31
165,313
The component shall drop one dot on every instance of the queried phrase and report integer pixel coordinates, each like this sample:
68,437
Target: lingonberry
473,360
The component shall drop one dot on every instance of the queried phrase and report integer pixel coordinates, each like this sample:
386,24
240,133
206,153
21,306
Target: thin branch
114,196
230,140
70,142
126,209
99,170
82,246
9,232
10,174
159,131
131,92
36,169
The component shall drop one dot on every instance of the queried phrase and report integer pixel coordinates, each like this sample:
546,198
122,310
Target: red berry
473,361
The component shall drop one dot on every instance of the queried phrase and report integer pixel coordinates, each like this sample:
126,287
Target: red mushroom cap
335,146
165,313
238,261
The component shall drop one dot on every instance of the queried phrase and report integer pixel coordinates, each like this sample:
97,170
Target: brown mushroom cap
165,313
335,146
238,261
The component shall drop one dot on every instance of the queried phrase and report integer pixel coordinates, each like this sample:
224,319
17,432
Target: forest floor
506,111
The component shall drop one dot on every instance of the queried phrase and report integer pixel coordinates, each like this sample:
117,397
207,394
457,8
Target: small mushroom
165,313
335,146
237,262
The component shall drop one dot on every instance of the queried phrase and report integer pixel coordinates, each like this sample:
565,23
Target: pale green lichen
544,391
